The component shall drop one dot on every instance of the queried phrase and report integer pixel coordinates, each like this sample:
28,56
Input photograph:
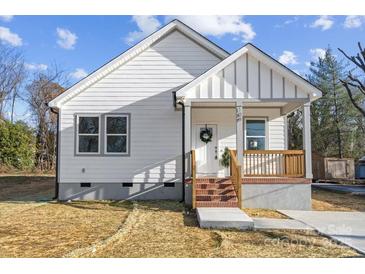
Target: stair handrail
236,175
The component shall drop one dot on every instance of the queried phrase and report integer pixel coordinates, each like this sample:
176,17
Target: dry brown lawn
164,229
36,228
150,229
334,201
54,229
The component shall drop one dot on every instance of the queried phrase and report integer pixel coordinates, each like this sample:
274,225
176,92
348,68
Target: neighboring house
124,128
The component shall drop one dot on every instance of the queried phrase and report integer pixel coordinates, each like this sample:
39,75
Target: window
88,134
255,134
116,134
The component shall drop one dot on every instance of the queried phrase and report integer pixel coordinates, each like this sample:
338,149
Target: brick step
216,204
213,191
215,186
218,198
213,181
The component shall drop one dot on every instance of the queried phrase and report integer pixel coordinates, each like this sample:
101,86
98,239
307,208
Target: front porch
242,104
265,175
275,181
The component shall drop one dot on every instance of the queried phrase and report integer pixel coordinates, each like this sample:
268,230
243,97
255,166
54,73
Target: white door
207,163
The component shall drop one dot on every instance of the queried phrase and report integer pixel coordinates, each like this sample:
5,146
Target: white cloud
353,21
146,24
34,66
66,38
78,74
290,21
11,38
287,22
307,64
324,22
288,58
218,25
6,18
317,53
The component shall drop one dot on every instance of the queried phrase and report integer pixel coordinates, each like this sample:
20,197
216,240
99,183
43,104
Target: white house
154,122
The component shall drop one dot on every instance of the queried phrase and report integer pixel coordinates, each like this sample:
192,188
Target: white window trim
266,131
106,134
87,134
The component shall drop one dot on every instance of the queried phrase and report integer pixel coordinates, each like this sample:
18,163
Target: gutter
57,158
183,150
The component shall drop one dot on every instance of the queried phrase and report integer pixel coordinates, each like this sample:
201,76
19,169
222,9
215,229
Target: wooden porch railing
193,178
236,175
280,163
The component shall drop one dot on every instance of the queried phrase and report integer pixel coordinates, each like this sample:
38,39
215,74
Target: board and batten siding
142,87
246,78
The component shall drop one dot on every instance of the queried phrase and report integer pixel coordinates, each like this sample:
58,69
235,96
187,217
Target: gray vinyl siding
143,88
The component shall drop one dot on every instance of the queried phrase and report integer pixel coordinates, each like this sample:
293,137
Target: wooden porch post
307,144
239,132
187,137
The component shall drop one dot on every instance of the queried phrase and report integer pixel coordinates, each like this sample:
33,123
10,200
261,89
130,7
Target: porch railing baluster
287,163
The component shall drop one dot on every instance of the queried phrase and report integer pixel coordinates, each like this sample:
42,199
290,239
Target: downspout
57,160
183,150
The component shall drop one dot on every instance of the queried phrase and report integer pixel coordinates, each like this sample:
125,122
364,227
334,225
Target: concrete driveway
345,227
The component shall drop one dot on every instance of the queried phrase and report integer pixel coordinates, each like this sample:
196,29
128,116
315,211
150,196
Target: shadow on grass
22,188
23,180
93,205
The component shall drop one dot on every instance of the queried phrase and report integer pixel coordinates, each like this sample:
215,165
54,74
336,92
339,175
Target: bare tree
44,87
12,76
354,85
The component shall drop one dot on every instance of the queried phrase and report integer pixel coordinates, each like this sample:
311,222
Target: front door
207,163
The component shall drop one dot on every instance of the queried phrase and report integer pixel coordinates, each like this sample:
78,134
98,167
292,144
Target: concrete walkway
223,217
270,223
352,189
345,227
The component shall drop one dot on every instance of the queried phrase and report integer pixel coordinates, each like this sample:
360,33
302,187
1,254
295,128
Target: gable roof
134,51
249,48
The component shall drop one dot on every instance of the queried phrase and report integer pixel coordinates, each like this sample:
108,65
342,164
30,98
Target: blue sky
81,44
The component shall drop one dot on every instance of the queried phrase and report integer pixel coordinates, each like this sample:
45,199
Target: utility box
360,169
330,168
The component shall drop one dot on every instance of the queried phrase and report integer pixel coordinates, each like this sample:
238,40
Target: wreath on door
206,135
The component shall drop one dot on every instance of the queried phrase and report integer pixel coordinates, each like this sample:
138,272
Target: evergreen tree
334,119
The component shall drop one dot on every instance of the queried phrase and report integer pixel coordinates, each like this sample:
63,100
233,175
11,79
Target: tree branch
353,101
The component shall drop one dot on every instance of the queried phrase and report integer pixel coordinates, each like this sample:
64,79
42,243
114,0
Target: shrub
17,145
